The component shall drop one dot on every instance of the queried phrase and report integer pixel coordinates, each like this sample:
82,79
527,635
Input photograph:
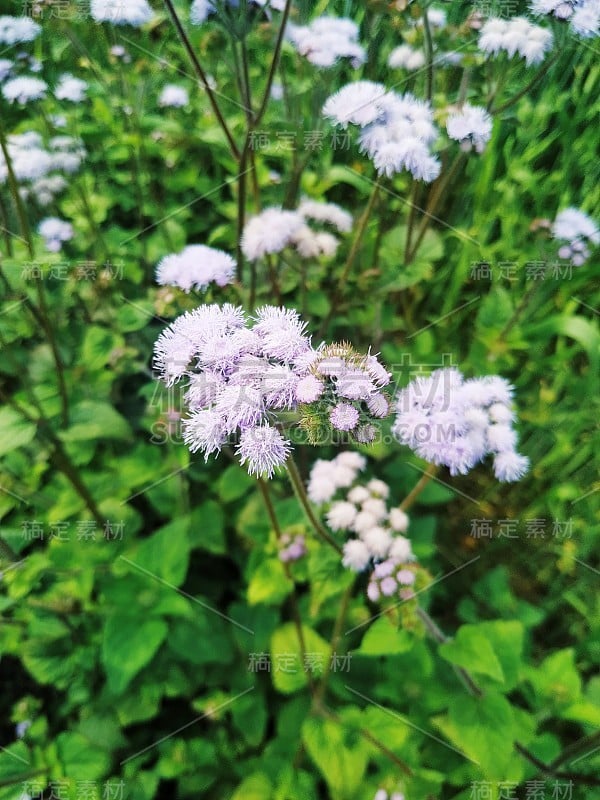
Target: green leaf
556,680
495,310
98,346
255,787
129,644
207,527
471,650
340,754
483,728
234,483
288,671
91,420
269,583
399,275
165,554
202,639
81,759
383,639
15,765
14,431
249,715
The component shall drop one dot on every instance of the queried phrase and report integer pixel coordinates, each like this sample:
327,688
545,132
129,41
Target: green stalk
43,316
300,492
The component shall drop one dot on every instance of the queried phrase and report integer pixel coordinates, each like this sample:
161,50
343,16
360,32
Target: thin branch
300,492
202,76
42,316
428,54
411,497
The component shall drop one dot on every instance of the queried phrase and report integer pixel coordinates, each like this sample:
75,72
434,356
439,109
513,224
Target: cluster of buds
293,548
343,392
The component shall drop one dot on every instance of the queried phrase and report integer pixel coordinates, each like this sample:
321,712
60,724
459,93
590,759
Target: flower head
132,12
515,36
14,30
23,89
326,40
195,268
70,88
446,420
263,448
471,126
404,57
173,96
55,231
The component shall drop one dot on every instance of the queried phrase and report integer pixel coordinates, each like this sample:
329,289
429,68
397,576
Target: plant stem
274,63
362,226
183,37
300,492
410,498
59,456
366,734
6,552
548,770
43,315
428,54
335,640
535,80
411,218
266,495
253,121
5,228
432,204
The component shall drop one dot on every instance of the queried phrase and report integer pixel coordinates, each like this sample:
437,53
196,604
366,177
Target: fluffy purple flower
263,448
344,417
282,333
195,268
456,423
309,389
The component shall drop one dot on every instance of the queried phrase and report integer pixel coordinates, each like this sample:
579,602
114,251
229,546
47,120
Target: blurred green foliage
148,592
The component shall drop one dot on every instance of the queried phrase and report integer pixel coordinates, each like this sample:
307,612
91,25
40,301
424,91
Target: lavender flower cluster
326,40
397,131
195,267
454,422
275,229
378,540
579,234
344,391
243,372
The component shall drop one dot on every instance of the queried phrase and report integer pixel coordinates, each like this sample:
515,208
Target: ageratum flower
201,10
70,88
23,89
579,232
195,268
515,36
471,126
122,12
362,512
561,9
14,30
397,131
404,57
456,423
6,67
173,96
326,40
274,229
240,373
55,231
351,395
586,19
